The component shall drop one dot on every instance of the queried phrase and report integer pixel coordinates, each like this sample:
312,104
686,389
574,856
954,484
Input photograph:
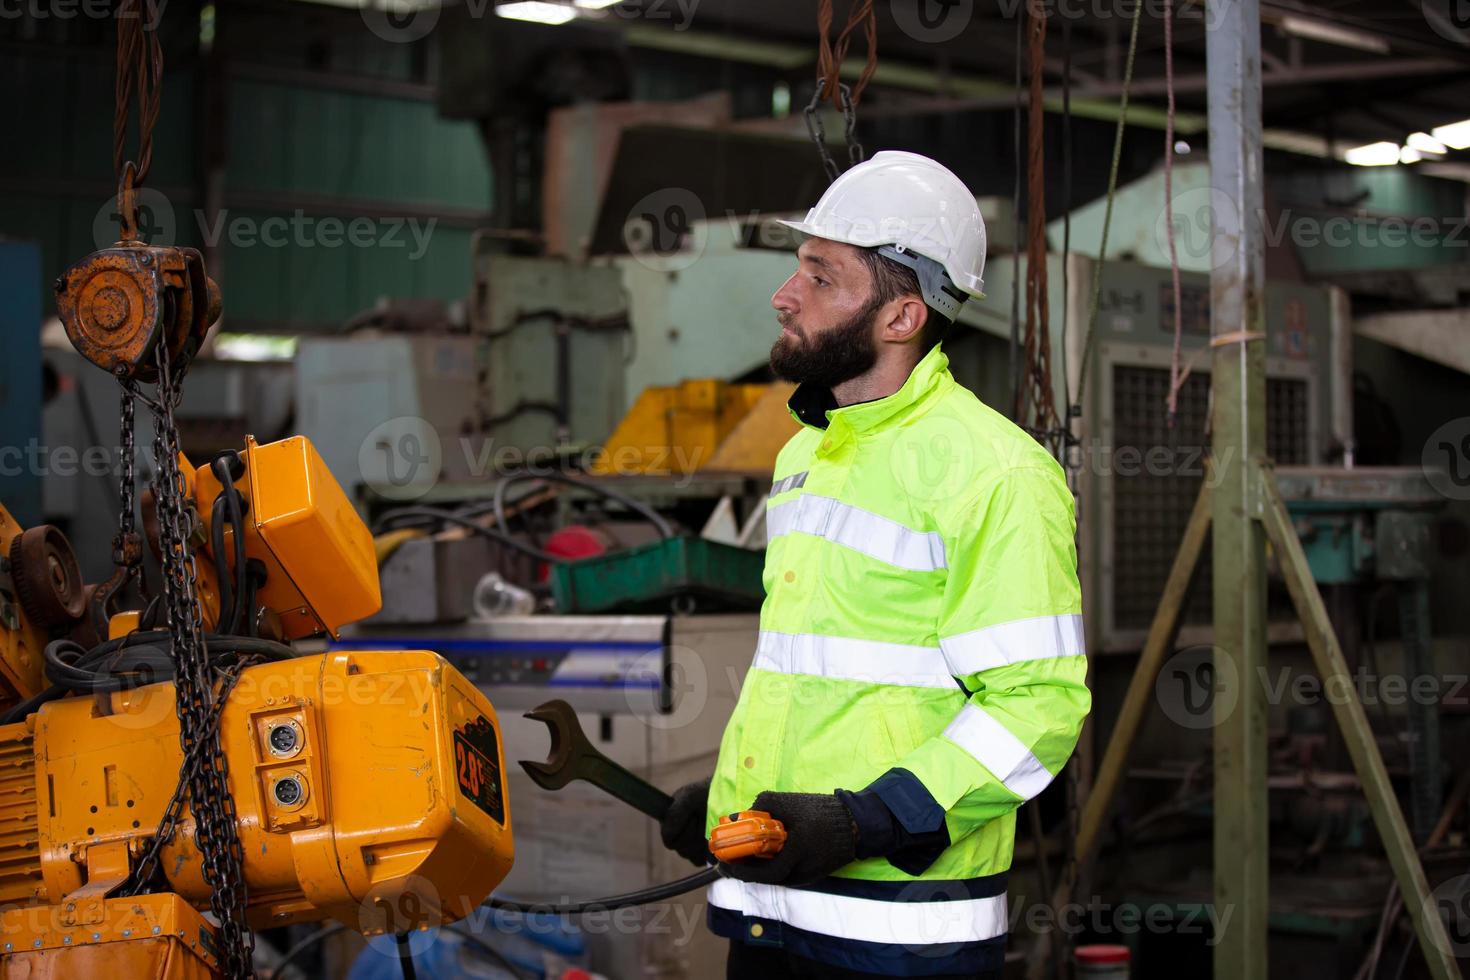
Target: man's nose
784,299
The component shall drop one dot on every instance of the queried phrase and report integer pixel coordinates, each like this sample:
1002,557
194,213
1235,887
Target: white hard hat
913,203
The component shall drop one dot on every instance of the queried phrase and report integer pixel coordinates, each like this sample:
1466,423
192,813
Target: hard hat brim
974,287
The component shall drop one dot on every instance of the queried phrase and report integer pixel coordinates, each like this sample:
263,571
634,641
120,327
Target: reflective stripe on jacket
922,623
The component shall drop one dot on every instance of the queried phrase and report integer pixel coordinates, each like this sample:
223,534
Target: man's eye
819,280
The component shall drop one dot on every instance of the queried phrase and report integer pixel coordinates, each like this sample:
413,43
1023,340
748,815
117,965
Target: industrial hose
131,661
637,506
396,518
409,516
235,510
644,896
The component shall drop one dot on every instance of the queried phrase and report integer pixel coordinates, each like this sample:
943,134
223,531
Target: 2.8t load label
477,767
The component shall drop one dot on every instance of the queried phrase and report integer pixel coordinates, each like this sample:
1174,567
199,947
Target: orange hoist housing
369,786
321,570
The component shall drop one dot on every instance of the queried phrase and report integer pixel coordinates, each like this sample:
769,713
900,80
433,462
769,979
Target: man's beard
831,357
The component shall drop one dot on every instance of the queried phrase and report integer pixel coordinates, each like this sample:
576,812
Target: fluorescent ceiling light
1327,33
1425,143
1410,155
1373,155
1454,135
536,11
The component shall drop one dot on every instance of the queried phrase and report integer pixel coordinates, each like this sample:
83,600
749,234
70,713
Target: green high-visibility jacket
921,638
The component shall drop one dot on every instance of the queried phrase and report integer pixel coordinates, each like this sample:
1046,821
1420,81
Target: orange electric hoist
173,756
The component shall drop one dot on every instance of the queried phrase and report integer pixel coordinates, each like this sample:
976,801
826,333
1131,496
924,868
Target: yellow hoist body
368,786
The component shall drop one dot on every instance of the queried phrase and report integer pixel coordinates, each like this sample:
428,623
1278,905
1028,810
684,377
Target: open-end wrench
573,757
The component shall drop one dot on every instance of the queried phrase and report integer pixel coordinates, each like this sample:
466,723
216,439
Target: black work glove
682,828
820,838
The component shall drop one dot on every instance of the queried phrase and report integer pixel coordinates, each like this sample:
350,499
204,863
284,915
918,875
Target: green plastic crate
679,573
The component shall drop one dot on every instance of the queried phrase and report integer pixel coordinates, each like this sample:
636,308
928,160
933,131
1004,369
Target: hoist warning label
477,767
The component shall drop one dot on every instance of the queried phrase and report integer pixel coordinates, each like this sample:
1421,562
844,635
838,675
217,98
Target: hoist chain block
119,304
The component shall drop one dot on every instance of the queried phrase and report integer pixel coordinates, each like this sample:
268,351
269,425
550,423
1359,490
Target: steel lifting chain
149,335
127,544
818,132
830,87
204,774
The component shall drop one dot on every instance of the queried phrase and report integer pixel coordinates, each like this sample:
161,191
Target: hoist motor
365,786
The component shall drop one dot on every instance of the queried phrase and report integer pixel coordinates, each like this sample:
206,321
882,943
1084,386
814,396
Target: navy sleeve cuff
877,830
916,822
909,801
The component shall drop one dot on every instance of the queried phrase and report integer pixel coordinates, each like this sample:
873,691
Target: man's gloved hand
820,838
682,828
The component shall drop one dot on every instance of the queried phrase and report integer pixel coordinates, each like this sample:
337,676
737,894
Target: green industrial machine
1374,524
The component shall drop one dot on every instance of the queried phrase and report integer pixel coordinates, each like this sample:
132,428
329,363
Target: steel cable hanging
1066,210
1176,376
1036,398
1014,364
831,54
1102,250
140,71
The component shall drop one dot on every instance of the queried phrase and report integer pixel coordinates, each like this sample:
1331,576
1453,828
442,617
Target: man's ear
906,321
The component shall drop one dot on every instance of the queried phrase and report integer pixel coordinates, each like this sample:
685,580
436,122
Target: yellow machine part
150,937
368,785
679,429
751,446
21,643
321,569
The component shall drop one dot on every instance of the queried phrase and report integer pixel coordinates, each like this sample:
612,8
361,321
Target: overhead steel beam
967,91
1238,440
1438,335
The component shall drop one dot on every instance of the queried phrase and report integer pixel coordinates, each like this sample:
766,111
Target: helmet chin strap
938,290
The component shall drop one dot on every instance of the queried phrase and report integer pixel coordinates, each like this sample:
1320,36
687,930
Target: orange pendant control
747,834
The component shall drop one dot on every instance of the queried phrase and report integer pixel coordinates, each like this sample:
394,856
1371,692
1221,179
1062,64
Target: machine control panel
607,664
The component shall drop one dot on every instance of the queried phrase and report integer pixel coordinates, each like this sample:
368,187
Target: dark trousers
766,963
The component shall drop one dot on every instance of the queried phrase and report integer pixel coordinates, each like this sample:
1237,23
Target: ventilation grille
1156,476
20,861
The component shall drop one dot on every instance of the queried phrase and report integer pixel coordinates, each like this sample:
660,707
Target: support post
1238,437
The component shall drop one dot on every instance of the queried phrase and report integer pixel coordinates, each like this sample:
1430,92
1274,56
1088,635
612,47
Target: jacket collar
815,407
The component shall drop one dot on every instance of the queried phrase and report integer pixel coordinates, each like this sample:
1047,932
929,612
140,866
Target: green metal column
1237,330
1426,798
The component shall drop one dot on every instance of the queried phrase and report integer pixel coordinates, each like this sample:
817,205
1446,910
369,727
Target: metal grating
1287,421
20,858
1156,473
